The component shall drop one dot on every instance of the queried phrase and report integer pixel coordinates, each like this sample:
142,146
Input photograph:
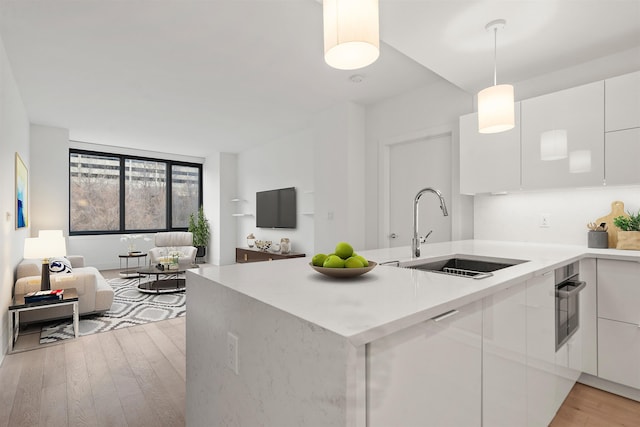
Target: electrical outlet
232,352
545,220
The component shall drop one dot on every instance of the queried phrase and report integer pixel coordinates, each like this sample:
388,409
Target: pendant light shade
351,33
553,144
496,103
495,109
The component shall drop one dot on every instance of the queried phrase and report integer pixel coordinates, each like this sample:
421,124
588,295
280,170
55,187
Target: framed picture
22,193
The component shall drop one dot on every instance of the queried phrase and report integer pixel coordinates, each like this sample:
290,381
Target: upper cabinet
622,102
622,126
489,162
579,137
574,117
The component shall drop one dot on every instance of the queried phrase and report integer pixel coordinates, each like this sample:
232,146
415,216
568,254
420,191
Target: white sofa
95,295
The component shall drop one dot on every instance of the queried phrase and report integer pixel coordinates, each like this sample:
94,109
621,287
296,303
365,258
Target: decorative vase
598,239
628,240
285,245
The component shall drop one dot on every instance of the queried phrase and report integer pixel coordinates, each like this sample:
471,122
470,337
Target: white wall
429,109
14,138
50,183
339,176
285,162
220,184
516,216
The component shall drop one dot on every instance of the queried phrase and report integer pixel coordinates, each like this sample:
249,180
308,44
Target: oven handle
568,294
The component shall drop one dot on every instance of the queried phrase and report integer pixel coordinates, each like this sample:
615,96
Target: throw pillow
59,265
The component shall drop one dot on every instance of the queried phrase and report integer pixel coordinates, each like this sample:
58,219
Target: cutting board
617,209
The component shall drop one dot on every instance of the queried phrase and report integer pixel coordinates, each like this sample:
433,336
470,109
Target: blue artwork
22,186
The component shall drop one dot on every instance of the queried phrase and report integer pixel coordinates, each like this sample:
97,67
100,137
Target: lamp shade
40,247
351,33
496,109
580,161
553,144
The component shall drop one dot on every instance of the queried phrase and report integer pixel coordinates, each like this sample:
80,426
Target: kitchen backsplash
518,216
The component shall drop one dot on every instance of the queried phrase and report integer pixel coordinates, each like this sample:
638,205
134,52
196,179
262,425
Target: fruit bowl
344,272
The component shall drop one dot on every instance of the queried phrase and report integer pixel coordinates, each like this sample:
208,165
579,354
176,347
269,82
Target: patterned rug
130,307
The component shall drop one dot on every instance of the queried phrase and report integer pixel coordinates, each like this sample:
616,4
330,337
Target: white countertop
388,298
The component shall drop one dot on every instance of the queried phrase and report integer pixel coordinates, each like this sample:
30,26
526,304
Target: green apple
333,261
318,259
362,259
353,262
344,250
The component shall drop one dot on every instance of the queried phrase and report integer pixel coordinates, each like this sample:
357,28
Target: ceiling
197,76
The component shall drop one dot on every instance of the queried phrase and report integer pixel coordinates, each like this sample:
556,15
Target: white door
414,165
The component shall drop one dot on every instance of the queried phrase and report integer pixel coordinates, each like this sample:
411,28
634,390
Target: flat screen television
276,208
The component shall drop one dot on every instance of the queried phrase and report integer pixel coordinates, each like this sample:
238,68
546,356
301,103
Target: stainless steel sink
465,266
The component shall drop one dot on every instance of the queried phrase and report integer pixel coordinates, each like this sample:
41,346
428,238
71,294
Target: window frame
122,179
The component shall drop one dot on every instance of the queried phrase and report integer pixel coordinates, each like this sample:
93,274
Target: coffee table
69,297
172,280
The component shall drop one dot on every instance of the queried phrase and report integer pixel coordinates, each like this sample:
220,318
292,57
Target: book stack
53,294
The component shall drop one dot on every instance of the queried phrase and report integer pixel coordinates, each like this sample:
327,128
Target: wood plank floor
128,377
136,377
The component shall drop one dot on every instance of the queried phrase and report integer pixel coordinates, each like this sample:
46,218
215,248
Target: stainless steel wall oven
568,287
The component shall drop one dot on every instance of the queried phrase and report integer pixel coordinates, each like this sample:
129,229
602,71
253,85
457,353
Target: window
112,193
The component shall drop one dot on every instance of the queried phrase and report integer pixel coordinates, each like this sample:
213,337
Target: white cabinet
619,321
541,350
580,112
622,152
429,373
504,371
489,162
622,102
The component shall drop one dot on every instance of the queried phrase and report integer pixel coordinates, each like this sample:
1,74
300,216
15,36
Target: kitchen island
277,343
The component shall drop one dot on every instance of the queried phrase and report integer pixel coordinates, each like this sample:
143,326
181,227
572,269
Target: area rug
130,307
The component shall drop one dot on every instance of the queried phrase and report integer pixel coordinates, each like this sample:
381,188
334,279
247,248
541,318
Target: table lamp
45,248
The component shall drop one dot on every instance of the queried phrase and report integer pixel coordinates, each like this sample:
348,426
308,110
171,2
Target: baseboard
611,387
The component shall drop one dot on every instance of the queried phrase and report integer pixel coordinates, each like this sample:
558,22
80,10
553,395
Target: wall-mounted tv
276,208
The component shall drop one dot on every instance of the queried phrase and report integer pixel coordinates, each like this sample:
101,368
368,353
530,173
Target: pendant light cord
495,56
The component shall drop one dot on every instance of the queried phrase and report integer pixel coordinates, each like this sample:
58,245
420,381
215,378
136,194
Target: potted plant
629,234
199,227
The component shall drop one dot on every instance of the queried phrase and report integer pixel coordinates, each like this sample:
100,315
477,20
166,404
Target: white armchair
171,242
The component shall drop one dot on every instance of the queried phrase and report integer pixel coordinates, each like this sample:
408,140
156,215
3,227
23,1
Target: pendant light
495,103
351,33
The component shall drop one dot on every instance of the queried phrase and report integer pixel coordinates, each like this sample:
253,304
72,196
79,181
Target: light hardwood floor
128,377
136,377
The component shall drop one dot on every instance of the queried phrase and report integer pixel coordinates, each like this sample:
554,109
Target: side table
69,297
131,271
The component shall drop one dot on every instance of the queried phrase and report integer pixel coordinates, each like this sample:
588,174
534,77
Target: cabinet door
619,290
428,374
622,152
580,112
541,350
504,373
619,352
622,102
489,162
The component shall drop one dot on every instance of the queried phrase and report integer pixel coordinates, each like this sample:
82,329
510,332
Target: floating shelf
241,214
307,213
238,200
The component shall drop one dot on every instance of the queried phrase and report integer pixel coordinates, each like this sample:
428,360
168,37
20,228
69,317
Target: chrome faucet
415,241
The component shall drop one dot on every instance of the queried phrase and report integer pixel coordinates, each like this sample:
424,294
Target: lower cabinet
619,352
428,374
542,395
619,322
504,375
